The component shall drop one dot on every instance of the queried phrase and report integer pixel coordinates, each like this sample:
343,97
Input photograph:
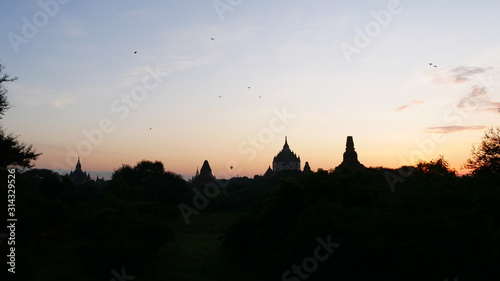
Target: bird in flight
135,52
435,66
260,97
430,63
248,87
212,38
220,96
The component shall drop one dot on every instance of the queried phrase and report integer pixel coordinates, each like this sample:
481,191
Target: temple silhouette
78,176
204,176
350,157
307,169
286,160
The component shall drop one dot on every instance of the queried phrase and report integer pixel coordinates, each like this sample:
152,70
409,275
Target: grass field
195,255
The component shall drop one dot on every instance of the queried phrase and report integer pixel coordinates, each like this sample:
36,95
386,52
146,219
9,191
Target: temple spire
205,175
286,159
78,165
349,146
350,156
78,176
307,168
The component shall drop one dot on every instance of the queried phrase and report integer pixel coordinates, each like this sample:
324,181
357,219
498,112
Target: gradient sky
318,71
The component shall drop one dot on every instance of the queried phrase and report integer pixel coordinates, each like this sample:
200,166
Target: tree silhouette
14,152
435,167
149,181
4,104
486,157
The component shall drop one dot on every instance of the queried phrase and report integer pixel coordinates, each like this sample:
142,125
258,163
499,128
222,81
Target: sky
117,82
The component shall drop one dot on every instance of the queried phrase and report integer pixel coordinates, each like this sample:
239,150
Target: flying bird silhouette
220,96
248,87
430,63
212,38
135,52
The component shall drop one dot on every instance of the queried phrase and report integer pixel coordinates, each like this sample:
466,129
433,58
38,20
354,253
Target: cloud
483,82
114,84
413,102
478,99
463,74
73,27
62,101
41,96
36,96
453,129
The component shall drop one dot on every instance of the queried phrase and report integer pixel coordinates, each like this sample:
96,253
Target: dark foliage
434,226
85,231
485,158
14,152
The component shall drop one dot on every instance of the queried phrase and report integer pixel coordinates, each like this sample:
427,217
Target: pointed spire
269,172
78,165
286,144
350,156
205,175
307,168
349,146
205,168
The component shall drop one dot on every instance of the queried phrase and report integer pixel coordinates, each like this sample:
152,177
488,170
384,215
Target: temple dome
286,159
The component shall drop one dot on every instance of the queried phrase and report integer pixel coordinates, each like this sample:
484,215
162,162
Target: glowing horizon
182,83
221,167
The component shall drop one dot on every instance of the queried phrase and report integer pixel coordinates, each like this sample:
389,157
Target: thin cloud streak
463,74
413,102
38,96
453,129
